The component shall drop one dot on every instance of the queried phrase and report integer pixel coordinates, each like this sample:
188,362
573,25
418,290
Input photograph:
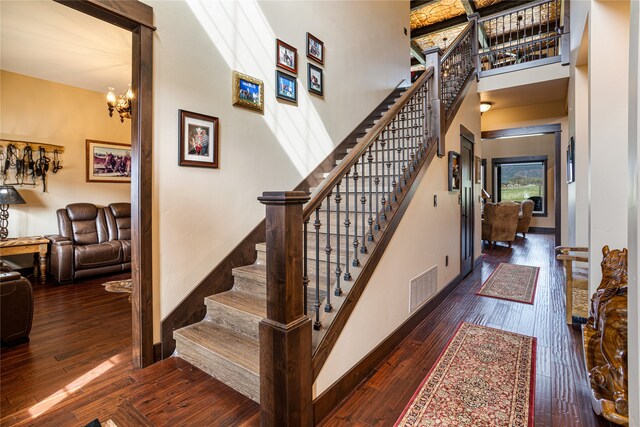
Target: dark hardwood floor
77,366
561,389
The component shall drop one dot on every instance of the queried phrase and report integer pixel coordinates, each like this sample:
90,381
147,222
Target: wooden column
285,334
432,59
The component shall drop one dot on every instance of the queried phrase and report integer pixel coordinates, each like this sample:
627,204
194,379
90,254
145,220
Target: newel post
285,334
432,59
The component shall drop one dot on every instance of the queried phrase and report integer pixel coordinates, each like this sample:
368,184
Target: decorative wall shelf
35,146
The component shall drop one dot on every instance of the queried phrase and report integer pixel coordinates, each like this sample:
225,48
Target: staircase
344,229
225,343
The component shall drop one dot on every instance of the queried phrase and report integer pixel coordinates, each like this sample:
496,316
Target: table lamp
8,196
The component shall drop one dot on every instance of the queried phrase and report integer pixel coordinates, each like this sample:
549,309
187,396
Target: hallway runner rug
484,377
511,282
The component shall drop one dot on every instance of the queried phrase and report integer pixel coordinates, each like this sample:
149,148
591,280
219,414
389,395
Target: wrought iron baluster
393,162
317,224
403,117
338,199
356,243
347,223
383,200
376,181
327,250
370,220
363,201
412,136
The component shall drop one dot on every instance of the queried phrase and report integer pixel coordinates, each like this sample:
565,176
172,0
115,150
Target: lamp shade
10,196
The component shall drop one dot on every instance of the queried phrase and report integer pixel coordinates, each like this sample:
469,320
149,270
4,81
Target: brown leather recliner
500,222
524,219
92,241
16,308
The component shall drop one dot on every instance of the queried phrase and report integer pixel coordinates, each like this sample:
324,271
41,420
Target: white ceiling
50,41
535,93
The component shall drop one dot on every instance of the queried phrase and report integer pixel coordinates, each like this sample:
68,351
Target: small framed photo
108,161
571,161
247,92
315,49
286,87
286,56
315,79
478,170
198,145
454,171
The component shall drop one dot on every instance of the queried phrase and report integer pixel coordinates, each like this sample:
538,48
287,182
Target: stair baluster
347,223
394,131
356,243
376,182
383,200
338,199
305,278
327,250
363,201
317,224
370,220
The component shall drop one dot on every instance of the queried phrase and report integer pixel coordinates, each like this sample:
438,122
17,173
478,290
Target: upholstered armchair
524,219
500,223
92,241
16,307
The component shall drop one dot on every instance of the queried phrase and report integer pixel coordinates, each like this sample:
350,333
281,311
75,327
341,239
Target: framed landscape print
198,144
315,49
454,171
286,56
286,87
315,79
108,161
247,92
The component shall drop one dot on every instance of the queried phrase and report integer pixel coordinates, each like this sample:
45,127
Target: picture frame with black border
454,171
315,79
286,56
315,49
286,87
198,143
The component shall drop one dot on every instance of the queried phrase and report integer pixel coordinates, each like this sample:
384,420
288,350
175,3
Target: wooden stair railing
331,247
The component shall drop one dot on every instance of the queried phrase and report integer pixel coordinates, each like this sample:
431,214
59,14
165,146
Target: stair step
239,310
226,355
251,278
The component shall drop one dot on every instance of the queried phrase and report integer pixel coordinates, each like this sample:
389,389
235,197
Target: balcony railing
520,38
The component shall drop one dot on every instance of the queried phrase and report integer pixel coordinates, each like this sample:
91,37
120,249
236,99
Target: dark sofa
93,240
16,307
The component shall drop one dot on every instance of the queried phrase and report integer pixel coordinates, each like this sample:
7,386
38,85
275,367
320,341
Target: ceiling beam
419,4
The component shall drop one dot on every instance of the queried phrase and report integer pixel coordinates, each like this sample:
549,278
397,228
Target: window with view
516,181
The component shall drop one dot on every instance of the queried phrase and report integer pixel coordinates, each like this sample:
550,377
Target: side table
38,246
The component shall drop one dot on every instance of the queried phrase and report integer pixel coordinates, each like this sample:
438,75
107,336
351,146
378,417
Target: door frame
555,129
467,134
136,17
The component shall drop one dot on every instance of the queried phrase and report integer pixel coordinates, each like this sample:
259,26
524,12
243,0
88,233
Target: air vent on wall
422,288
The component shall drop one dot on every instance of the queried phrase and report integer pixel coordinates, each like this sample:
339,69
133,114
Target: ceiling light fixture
122,105
485,106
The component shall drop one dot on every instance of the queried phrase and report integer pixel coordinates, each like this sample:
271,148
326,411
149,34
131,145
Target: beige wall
201,214
42,111
424,237
634,216
543,145
536,115
608,130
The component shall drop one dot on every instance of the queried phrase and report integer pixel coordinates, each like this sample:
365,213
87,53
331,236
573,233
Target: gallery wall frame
247,92
198,143
108,162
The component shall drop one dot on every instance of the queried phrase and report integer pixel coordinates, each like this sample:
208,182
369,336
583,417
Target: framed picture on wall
315,49
247,92
286,56
571,161
198,144
315,79
108,161
454,171
478,170
286,87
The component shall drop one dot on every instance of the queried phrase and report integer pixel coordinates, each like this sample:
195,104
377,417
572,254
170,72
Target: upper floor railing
457,64
520,38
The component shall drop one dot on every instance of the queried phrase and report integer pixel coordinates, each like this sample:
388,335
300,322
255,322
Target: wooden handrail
325,188
455,41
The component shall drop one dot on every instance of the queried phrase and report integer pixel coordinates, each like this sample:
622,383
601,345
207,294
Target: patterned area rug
512,282
484,377
123,286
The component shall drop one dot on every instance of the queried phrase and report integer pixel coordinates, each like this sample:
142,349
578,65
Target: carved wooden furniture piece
28,245
577,281
605,340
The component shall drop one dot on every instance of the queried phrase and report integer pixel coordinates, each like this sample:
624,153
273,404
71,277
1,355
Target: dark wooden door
466,206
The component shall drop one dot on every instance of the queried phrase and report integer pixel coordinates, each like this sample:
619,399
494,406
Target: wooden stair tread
255,304
251,271
226,343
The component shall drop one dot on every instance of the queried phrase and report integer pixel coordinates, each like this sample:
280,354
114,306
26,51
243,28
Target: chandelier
122,104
